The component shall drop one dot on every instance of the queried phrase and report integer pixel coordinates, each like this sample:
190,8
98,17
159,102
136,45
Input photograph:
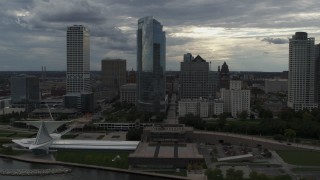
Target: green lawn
99,158
69,136
297,170
181,173
296,157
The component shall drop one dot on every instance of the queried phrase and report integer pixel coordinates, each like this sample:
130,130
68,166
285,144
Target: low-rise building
200,107
121,126
218,107
166,146
236,99
275,85
128,93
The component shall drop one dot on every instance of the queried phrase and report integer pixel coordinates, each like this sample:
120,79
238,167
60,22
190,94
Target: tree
256,176
215,174
160,116
279,137
286,115
191,120
243,115
282,177
265,114
290,134
134,135
222,120
234,174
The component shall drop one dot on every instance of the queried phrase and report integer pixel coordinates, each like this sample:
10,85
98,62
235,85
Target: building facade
218,107
114,74
275,85
78,87
236,99
301,84
188,57
78,59
25,92
128,93
151,65
199,107
196,80
224,76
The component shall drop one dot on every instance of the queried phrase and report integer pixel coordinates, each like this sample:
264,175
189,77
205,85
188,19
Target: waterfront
76,174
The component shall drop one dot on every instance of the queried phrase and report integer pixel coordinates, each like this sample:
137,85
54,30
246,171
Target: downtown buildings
114,75
198,86
25,92
151,65
236,99
196,79
78,88
302,85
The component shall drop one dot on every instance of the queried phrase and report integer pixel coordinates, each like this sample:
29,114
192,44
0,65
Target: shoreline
40,161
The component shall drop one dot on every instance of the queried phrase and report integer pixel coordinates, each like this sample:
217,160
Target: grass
10,152
99,158
100,137
8,133
296,157
297,170
115,136
69,136
182,173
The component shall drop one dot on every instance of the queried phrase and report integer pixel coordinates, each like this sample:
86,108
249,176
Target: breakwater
34,172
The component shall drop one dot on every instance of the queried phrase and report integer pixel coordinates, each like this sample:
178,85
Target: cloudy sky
250,35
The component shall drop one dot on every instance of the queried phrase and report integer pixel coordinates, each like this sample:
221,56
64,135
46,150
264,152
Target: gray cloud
112,25
271,40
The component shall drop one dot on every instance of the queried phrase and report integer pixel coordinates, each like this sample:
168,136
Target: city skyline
248,35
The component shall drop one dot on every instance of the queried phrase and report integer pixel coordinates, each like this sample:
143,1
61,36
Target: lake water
77,173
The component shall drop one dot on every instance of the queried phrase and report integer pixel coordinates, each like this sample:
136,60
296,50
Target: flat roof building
166,146
128,93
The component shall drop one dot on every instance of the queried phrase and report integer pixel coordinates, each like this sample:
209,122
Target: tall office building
317,73
224,80
25,92
151,65
196,80
114,74
301,84
78,89
78,59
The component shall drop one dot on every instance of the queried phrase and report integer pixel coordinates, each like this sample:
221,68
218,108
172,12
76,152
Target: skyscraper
317,73
78,92
196,79
114,74
224,81
25,91
151,65
78,59
301,84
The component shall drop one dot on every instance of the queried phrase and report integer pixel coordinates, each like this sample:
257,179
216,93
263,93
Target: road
246,137
172,117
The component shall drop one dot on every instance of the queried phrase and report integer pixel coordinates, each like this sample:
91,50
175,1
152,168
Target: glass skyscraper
151,65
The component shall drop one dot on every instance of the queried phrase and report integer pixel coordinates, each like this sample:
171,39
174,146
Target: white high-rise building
78,59
301,84
235,99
